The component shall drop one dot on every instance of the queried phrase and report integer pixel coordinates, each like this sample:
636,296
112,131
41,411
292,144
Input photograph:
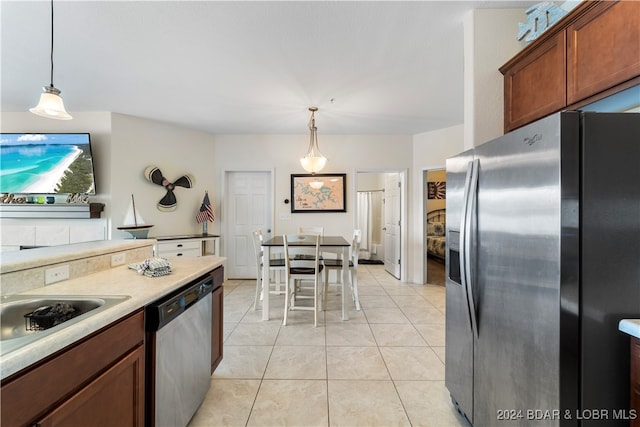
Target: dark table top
324,241
185,236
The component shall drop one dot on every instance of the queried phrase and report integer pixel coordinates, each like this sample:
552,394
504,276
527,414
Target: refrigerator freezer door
610,259
517,282
459,336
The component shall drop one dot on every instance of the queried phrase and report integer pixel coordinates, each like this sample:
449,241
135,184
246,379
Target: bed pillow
435,229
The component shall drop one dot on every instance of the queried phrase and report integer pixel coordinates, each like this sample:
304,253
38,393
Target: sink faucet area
27,318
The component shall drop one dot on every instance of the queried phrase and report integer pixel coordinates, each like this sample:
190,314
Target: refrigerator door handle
470,196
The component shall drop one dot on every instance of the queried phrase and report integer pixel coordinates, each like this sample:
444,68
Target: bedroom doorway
434,192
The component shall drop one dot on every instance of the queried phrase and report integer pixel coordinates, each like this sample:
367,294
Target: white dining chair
305,268
276,265
311,230
336,264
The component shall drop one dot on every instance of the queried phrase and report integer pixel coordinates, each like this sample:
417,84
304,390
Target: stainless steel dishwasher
178,355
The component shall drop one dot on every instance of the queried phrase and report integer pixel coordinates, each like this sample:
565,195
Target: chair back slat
311,260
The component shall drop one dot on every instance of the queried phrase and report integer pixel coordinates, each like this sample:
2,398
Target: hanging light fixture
51,104
314,161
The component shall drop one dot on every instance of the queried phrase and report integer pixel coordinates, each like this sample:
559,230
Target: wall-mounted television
46,163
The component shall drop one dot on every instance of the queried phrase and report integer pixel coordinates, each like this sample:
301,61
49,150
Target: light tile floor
383,367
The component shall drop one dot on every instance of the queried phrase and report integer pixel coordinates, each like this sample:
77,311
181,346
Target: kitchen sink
27,318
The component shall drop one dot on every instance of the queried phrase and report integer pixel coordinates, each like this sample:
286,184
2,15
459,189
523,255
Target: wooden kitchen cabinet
635,380
112,399
603,48
217,317
592,52
535,86
87,383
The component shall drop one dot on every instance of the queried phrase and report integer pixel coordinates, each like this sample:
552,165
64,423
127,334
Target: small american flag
206,210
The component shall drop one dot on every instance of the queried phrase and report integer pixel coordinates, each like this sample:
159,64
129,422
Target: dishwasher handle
196,293
163,311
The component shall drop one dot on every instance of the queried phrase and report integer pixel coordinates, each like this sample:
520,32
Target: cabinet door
217,318
535,84
603,48
115,398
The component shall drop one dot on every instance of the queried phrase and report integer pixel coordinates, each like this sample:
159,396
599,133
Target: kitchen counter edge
630,326
116,281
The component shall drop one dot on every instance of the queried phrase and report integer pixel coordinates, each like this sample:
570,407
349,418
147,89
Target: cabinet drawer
183,253
189,248
179,245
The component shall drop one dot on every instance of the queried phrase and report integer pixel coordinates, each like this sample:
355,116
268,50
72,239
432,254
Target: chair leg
258,292
325,286
354,288
286,301
277,274
315,303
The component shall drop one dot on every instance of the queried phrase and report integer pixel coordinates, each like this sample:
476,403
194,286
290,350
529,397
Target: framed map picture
319,193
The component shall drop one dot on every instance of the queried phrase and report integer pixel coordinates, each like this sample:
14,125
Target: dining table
328,244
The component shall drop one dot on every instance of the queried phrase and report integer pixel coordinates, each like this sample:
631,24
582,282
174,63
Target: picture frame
436,190
319,192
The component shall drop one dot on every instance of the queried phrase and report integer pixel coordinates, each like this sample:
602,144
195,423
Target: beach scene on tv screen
46,164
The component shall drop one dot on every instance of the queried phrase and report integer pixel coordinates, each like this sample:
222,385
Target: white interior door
392,223
248,208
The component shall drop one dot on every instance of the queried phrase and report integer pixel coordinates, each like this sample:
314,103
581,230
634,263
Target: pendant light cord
51,43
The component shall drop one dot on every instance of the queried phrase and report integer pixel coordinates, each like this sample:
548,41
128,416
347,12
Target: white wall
489,42
96,123
282,153
430,151
124,146
176,151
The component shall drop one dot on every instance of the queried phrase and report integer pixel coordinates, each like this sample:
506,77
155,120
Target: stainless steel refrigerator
543,240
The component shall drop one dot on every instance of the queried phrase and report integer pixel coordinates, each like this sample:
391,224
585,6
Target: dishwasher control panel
164,310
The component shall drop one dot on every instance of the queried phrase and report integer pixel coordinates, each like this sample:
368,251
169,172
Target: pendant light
314,161
51,104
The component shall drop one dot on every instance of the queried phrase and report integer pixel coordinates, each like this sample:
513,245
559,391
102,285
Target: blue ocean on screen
28,160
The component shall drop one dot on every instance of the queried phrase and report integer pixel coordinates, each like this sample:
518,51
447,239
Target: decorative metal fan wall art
169,202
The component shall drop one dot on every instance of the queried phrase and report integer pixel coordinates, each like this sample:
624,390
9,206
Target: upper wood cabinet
535,85
594,48
603,48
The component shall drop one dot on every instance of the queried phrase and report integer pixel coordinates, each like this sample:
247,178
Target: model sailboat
133,222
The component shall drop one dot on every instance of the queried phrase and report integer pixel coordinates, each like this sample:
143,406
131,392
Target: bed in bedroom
436,240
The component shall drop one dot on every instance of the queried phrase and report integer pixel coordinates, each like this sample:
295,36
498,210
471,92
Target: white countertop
630,326
116,281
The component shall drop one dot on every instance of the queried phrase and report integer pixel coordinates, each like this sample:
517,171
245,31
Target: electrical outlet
117,259
56,274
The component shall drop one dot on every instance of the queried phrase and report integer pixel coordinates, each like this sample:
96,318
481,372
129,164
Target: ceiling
240,67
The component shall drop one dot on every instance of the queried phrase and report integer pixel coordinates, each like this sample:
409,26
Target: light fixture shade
313,164
313,161
51,105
